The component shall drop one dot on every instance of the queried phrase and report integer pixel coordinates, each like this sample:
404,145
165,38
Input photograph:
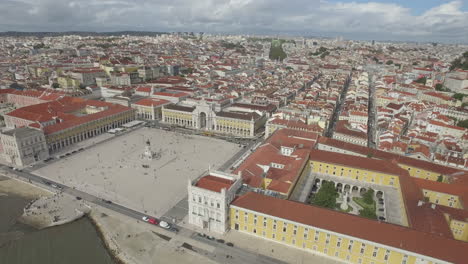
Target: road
371,112
339,105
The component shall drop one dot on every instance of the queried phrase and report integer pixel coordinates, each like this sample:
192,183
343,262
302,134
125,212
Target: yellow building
149,108
339,235
67,82
203,117
416,168
355,168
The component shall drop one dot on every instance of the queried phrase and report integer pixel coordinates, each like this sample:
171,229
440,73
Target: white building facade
209,198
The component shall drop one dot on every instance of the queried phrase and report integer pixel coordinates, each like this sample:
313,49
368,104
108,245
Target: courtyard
117,170
385,204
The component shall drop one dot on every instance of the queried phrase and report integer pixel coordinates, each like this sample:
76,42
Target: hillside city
242,149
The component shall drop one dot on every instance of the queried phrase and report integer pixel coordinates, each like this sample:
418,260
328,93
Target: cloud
446,22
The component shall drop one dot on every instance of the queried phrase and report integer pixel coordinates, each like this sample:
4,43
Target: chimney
433,206
420,203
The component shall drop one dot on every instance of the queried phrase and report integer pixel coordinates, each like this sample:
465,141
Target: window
338,243
255,231
405,259
316,236
350,245
306,233
263,233
218,205
387,254
374,254
273,236
284,229
363,248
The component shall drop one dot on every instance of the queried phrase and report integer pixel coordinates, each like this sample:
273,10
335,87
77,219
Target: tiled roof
377,154
151,102
239,115
380,232
213,183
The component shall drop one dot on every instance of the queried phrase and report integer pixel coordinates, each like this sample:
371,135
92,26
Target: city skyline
425,21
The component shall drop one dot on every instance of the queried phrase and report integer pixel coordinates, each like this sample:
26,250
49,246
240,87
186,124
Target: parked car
229,244
164,225
78,198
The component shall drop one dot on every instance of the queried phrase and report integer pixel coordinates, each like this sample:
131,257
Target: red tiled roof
354,161
152,102
377,154
213,183
380,232
171,94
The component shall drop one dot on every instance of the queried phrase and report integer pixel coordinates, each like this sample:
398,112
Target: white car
164,224
145,218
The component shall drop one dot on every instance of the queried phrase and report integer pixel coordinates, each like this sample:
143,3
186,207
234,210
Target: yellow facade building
339,235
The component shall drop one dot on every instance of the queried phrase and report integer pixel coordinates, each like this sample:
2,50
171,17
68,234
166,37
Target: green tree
55,85
326,196
82,86
368,197
439,87
421,80
459,96
276,51
368,213
440,178
389,62
463,123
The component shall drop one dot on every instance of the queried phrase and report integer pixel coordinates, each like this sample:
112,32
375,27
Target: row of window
350,245
200,211
205,200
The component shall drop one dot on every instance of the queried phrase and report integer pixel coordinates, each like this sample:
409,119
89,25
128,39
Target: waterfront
76,242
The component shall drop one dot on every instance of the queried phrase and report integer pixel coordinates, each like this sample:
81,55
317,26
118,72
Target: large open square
118,171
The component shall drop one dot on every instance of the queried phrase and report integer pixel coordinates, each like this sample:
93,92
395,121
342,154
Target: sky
401,20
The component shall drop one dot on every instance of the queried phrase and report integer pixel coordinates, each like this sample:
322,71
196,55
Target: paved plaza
117,171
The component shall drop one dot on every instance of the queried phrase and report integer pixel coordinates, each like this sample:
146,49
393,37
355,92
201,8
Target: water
74,243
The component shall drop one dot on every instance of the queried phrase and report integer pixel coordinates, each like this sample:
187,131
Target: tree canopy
421,80
368,197
326,195
368,213
460,62
463,123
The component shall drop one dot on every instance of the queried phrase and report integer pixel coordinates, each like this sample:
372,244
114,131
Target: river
74,243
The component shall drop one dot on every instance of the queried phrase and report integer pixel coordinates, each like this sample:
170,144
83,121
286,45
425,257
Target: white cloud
370,20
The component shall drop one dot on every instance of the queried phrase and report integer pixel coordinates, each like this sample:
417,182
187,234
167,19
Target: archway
339,186
379,194
202,120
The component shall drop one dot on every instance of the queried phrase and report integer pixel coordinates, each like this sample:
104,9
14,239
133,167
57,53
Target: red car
150,220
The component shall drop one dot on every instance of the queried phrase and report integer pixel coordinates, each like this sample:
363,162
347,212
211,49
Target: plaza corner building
38,130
